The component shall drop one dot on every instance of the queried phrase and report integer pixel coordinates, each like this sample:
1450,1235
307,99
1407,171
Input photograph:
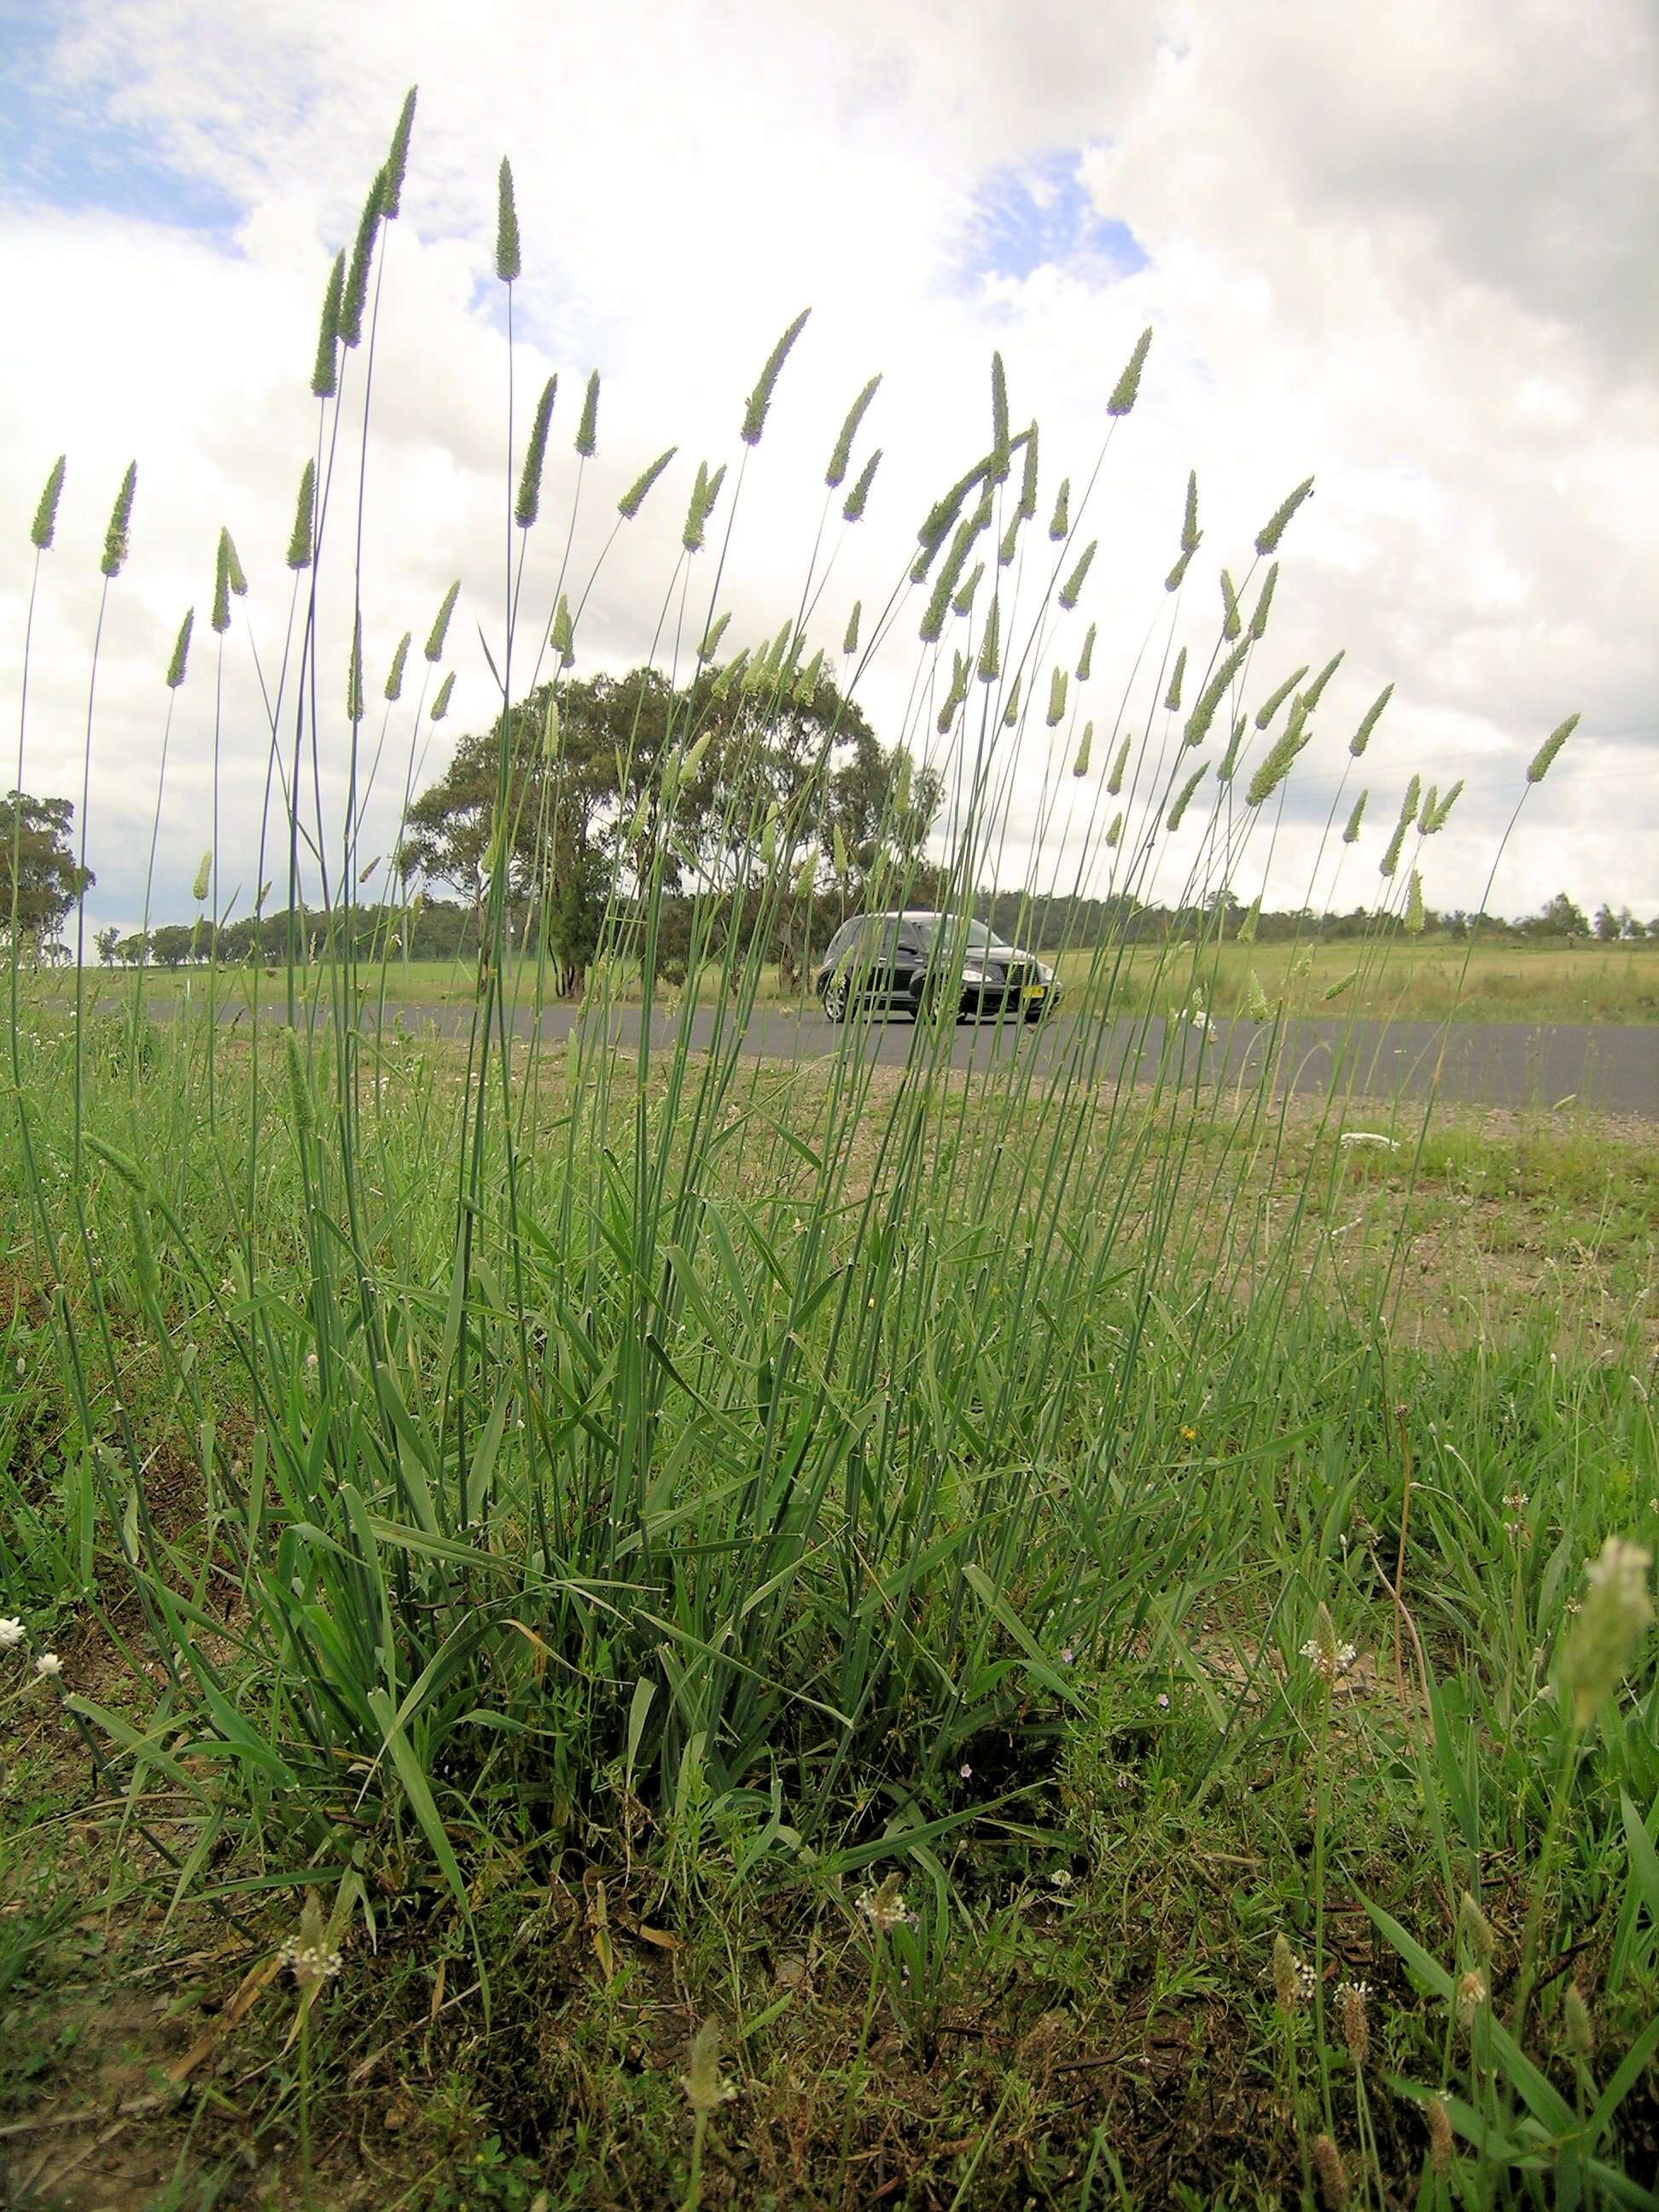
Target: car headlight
972,975
1045,973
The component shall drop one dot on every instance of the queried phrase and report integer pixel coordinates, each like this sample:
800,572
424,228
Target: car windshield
976,936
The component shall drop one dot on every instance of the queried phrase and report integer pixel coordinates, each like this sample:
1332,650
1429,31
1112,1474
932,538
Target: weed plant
914,1491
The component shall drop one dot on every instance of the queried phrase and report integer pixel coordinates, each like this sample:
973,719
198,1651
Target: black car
916,962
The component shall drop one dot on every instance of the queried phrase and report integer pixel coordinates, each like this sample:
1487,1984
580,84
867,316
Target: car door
909,965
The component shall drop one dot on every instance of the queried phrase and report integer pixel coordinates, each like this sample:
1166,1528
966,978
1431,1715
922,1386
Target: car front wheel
835,998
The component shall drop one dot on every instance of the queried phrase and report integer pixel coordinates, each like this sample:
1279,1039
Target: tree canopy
41,879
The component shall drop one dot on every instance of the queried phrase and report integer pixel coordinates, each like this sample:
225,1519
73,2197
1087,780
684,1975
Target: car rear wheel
835,998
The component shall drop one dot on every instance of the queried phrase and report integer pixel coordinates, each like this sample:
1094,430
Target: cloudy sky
1407,252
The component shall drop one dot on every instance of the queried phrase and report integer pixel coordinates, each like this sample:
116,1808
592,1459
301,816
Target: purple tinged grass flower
1080,765
1085,659
1011,711
1056,697
1059,521
43,528
1071,590
849,644
760,400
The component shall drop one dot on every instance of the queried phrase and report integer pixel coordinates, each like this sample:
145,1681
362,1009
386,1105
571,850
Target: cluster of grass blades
574,1440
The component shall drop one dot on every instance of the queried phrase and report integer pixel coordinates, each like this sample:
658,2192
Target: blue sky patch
63,148
1038,214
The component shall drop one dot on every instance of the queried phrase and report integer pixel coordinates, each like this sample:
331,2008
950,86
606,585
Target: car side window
841,941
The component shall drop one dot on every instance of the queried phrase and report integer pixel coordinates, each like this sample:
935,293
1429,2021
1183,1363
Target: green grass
658,1551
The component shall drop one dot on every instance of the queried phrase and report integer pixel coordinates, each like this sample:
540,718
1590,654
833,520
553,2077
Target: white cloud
1402,252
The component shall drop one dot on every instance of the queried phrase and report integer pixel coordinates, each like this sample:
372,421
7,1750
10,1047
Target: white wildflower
49,1664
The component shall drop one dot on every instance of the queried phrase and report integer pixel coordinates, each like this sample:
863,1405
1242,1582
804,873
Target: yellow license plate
1034,991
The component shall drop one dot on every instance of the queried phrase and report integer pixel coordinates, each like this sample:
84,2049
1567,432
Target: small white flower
966,1771
311,1361
11,1633
1368,1137
49,1663
1061,1878
1066,1656
1163,1701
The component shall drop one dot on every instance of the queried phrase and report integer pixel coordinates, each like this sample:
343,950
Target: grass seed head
701,2082
1231,621
325,377
44,526
527,506
1416,912
633,498
588,431
1026,510
1114,781
1615,1615
435,643
120,525
1333,2174
712,636
180,659
1229,760
550,728
509,260
1434,818
221,584
1011,711
1071,590
1351,835
843,454
1177,575
1356,2022
1000,438
354,298
1538,767
1085,659
1056,697
1126,390
990,657
1317,686
397,159
440,704
1362,736
1172,696
964,601
1204,707
1191,535
1183,798
1580,2027
858,499
1440,2134
563,633
1259,619
1080,765
355,673
1115,830
1060,520
1475,1931
760,400
1473,1993
198,889
1008,545
394,682
1267,541
299,544
849,644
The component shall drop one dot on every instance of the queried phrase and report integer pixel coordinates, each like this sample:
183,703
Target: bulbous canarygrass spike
563,633
1209,697
355,673
1408,804
120,523
434,643
1416,913
1071,590
990,656
354,297
944,585
1323,677
1231,621
857,498
1114,781
44,526
1115,830
394,682
222,585
508,260
633,498
964,598
1259,619
234,574
1080,765
1430,797
1274,769
1026,510
303,1104
1351,835
1011,711
1172,696
1009,545
1000,446
1085,659
760,400
198,889
1538,767
807,688
1274,529
1275,699
1229,760
849,429
1190,532
180,659
397,159
1056,697
440,704
850,643
704,493
324,375
1126,390
299,544
1183,797
1390,859
527,506
1060,523
1177,575
1362,736
1444,808
712,636
588,431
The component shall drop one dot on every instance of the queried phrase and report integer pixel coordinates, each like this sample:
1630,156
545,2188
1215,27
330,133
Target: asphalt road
1512,1064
